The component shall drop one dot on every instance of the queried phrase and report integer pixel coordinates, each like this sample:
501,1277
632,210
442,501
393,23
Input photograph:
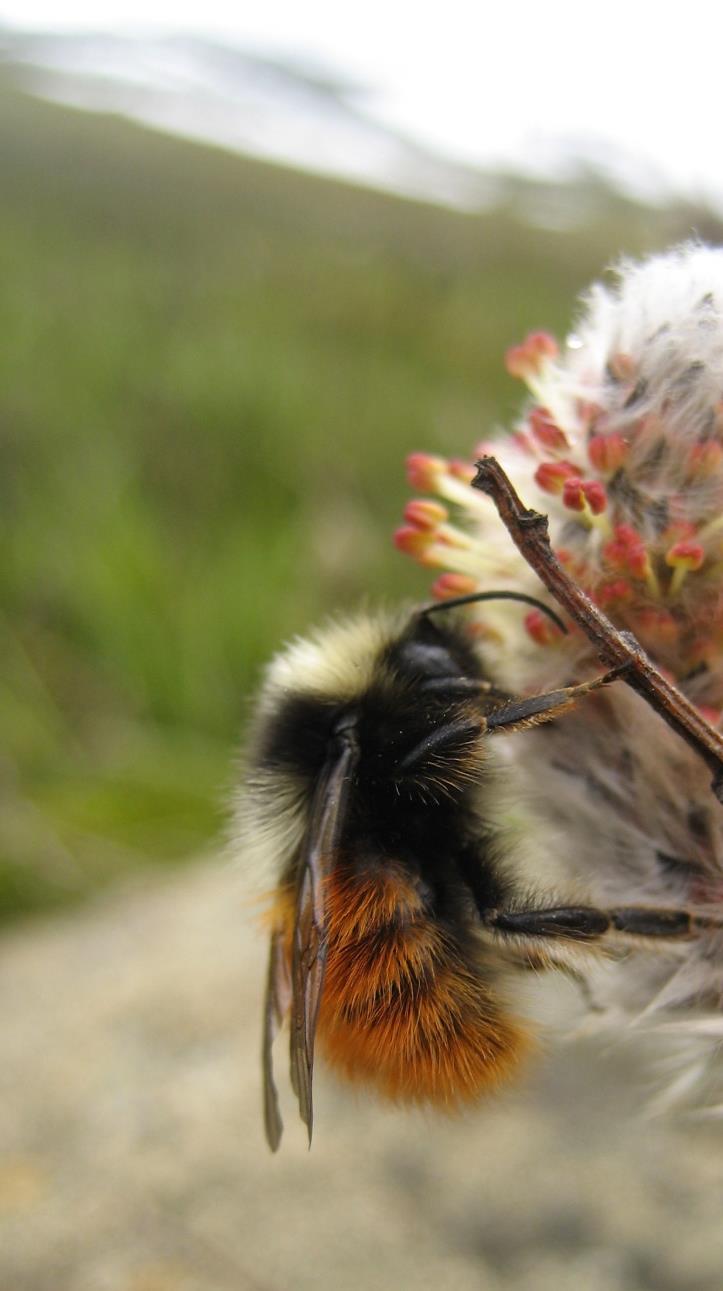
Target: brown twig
529,531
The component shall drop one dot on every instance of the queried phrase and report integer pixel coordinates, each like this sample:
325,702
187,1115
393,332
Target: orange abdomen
405,1008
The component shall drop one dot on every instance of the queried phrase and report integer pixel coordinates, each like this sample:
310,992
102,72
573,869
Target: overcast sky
486,82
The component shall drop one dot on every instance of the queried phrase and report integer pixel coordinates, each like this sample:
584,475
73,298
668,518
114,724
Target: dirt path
132,1157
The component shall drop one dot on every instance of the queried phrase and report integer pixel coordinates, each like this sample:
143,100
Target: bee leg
536,709
587,923
639,921
453,734
576,923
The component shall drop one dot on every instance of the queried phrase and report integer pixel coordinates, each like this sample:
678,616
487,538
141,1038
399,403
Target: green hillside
210,373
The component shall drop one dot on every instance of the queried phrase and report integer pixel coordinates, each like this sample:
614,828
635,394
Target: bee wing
308,958
276,1006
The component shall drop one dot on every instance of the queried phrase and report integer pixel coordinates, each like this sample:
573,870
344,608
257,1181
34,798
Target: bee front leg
519,714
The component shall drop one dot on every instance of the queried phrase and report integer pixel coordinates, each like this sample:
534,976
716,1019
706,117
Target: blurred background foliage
211,371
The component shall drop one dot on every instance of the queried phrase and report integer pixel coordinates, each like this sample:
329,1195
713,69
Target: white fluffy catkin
622,447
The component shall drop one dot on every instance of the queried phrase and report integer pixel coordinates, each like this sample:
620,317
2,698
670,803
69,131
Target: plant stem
529,531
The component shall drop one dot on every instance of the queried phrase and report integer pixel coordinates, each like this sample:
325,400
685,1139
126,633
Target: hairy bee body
413,1001
401,918
409,1007
401,913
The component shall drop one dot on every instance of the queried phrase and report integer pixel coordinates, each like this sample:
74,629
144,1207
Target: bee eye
428,659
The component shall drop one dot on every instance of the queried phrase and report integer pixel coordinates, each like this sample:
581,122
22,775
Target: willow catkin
621,444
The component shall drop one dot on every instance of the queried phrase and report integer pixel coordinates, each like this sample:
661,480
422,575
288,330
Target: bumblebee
398,924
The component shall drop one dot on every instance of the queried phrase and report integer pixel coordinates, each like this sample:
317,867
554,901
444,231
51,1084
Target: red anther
615,554
607,452
617,590
659,625
545,430
685,555
517,361
461,470
412,541
448,586
424,470
627,551
627,535
551,477
595,496
572,494
543,343
542,630
423,513
529,358
638,560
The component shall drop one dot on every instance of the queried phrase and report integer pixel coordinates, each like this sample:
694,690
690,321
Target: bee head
412,689
420,719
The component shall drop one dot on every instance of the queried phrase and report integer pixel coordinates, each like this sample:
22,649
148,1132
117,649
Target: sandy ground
132,1157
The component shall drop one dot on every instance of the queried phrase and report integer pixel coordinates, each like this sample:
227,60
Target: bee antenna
496,596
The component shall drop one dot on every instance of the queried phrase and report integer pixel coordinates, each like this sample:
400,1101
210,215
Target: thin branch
529,531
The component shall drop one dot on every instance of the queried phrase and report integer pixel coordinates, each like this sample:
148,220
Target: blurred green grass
210,373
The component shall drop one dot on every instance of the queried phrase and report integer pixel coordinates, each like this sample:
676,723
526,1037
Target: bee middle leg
588,923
